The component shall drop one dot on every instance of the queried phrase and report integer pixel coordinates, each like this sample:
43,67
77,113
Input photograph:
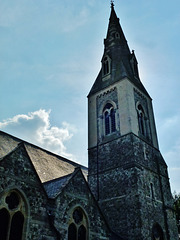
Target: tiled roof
54,187
48,165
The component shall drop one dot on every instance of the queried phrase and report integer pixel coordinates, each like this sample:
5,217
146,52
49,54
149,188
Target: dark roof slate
54,187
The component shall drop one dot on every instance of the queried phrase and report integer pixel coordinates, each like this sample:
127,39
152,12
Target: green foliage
177,208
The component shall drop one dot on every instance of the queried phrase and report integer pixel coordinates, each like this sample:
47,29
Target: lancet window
109,119
142,120
106,66
77,229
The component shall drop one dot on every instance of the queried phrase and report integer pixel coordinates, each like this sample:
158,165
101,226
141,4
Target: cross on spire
112,3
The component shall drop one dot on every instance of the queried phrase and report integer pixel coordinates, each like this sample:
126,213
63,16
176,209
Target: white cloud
35,127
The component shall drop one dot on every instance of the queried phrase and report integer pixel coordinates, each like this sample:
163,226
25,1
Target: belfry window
113,121
109,119
106,66
12,217
77,229
107,122
141,120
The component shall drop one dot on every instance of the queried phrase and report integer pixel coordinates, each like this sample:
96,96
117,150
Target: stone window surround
143,130
21,207
103,133
109,115
106,66
82,222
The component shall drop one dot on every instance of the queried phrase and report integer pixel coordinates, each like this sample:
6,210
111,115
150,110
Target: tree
177,208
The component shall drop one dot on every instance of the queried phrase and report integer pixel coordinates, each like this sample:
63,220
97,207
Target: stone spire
114,26
126,171
117,62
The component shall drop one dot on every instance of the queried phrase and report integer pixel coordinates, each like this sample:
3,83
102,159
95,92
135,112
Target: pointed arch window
107,122
113,120
141,120
72,231
109,119
106,65
77,229
4,223
17,223
12,218
82,233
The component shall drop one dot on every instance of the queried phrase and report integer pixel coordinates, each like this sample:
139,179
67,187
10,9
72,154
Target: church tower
127,174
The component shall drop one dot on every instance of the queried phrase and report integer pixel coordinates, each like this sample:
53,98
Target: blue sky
50,53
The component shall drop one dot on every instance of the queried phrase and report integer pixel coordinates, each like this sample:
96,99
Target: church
124,194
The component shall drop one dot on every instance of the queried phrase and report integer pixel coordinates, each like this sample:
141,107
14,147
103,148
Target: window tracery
77,229
12,220
109,119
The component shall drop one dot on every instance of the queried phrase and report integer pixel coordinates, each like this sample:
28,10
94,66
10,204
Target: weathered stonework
127,174
126,178
44,196
75,195
18,174
47,211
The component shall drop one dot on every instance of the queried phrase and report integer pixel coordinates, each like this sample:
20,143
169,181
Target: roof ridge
13,150
56,179
45,150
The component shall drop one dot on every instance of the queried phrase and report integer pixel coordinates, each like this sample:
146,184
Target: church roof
48,165
54,187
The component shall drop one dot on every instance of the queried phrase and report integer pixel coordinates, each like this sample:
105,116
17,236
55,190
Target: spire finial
112,3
